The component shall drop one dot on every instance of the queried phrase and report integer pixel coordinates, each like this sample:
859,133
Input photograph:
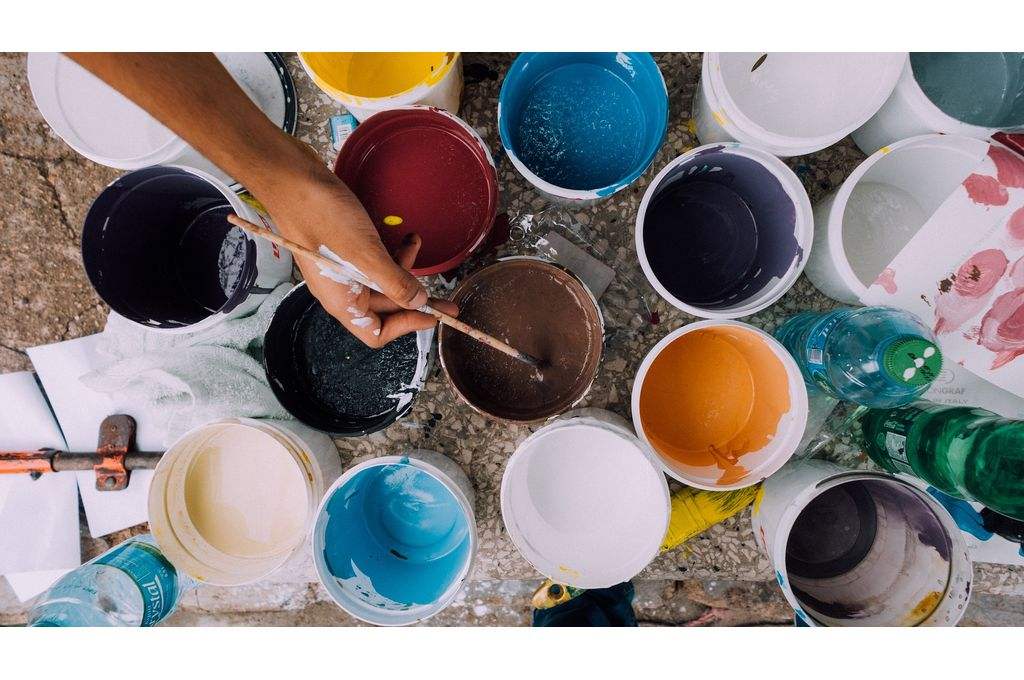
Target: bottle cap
912,360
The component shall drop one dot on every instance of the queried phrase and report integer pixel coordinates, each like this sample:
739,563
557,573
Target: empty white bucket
584,501
232,501
861,227
103,125
791,103
854,548
993,83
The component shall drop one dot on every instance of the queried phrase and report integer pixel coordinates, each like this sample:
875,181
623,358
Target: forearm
195,96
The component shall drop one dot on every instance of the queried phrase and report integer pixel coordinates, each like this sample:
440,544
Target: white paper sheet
80,411
39,533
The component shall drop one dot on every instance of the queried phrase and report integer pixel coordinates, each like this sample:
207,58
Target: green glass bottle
966,452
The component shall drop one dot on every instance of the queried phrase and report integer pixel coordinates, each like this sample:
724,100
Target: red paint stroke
887,280
1002,328
971,289
1009,166
1015,227
985,190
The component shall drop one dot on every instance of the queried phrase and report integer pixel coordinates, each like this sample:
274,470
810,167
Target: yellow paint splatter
885,149
392,220
924,608
691,125
719,118
568,570
757,500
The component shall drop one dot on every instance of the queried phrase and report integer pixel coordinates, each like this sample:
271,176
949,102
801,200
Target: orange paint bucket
721,403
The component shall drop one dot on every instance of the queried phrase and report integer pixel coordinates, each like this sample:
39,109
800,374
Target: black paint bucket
328,379
158,249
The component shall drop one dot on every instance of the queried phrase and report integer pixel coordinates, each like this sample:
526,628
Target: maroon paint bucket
423,170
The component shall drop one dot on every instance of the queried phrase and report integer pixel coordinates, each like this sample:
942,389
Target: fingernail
419,300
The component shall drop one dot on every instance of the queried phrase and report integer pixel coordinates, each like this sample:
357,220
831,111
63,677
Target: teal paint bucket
582,125
395,538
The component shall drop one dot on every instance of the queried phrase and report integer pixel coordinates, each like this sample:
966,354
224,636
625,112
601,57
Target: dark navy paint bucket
724,230
328,379
582,125
158,249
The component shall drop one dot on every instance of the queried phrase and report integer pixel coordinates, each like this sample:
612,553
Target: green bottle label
912,360
890,444
156,579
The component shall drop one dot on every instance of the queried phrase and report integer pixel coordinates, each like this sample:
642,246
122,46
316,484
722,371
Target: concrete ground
45,191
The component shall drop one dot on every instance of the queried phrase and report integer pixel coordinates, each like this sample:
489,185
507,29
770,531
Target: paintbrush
447,320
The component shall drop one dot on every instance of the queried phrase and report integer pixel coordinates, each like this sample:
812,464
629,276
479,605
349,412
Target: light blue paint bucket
582,125
395,537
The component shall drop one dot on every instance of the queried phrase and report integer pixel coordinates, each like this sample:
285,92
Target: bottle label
152,573
814,349
891,446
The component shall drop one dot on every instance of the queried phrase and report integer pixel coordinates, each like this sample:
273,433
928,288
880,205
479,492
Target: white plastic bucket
441,89
791,103
232,501
150,277
584,501
861,227
782,219
753,395
910,112
854,548
394,538
103,125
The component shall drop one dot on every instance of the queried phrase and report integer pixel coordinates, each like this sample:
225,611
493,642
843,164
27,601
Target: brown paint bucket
539,308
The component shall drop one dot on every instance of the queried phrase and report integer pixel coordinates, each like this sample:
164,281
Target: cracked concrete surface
45,297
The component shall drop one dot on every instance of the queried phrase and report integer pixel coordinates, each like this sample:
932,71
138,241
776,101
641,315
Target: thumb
397,284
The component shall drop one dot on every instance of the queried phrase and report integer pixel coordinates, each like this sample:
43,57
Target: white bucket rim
415,614
959,557
803,229
584,418
836,249
181,555
391,101
746,130
798,401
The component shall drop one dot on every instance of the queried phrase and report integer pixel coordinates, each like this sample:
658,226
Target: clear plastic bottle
966,452
132,584
877,357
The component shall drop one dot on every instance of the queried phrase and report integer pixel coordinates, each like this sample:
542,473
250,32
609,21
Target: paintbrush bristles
323,261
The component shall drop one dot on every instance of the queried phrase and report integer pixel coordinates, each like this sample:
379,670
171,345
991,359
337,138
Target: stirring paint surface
395,537
374,74
581,127
713,395
539,309
246,494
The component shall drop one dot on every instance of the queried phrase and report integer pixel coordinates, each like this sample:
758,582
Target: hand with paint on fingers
371,316
193,95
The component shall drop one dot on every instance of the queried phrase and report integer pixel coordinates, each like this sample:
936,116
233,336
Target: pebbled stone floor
719,577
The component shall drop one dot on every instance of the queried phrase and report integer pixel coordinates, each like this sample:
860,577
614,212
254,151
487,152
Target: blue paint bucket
582,125
395,537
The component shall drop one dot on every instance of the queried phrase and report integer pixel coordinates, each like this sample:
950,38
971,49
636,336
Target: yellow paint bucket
367,82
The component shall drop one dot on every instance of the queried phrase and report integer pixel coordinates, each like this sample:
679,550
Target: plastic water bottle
877,357
968,453
132,584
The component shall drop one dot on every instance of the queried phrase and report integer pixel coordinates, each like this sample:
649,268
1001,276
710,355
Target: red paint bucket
419,169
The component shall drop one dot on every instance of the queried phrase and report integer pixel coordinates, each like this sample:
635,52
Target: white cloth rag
181,381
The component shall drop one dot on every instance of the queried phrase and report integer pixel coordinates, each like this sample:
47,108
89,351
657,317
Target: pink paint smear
1009,166
971,289
985,190
1002,328
887,280
1015,228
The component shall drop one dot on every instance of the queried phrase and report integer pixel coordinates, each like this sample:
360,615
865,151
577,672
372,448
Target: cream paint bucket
584,500
910,111
106,127
791,103
395,537
232,501
368,82
855,548
861,227
721,403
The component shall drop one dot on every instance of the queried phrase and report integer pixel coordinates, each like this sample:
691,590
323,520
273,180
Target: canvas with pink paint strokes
964,272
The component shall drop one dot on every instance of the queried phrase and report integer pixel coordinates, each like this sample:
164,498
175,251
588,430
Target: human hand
322,211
